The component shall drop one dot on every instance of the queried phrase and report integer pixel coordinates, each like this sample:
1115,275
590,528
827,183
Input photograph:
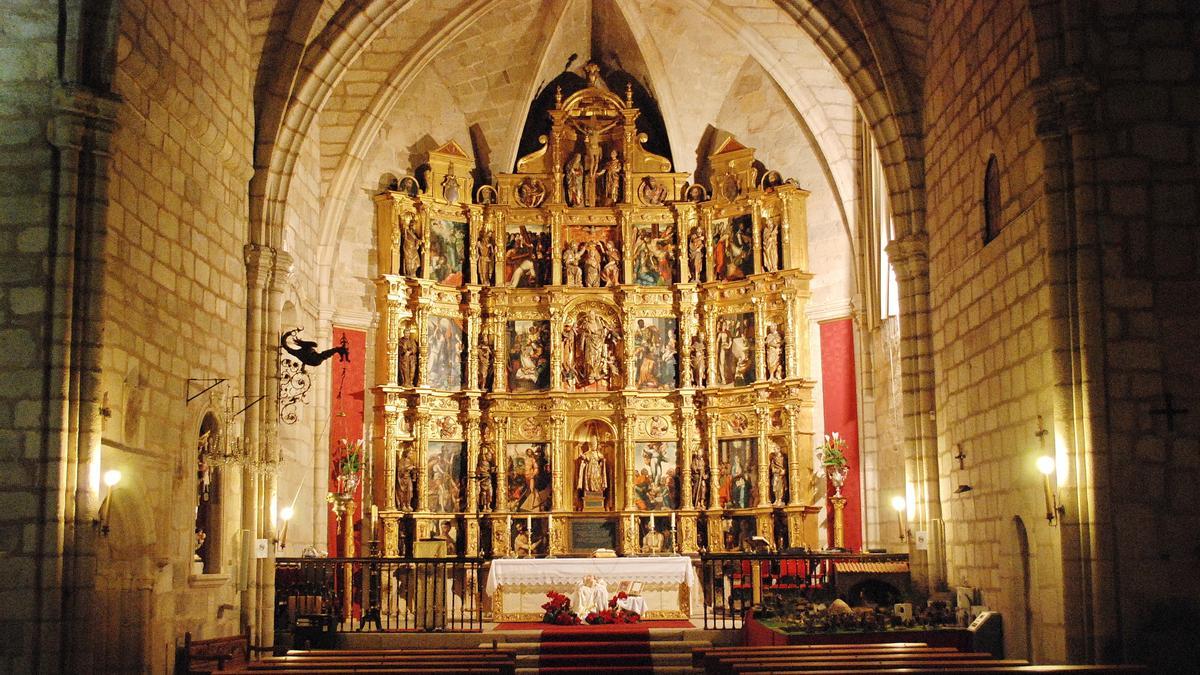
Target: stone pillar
259,261
909,257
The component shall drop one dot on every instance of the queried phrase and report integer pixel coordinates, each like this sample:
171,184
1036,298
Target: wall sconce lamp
898,504
111,478
1054,510
285,514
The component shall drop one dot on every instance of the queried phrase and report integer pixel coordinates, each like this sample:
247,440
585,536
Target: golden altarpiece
593,353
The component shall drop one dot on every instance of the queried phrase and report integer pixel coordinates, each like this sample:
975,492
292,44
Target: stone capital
1063,101
909,255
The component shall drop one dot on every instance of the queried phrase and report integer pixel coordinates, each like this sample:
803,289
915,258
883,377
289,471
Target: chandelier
229,446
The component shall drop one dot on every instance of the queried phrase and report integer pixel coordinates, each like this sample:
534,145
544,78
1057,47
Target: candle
529,533
672,521
651,521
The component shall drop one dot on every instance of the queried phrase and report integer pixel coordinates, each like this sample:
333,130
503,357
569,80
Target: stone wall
176,293
1145,204
990,311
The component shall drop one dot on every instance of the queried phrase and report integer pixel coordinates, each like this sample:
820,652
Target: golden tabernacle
593,352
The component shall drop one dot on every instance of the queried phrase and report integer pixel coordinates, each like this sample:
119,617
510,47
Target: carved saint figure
412,245
406,477
574,180
696,255
408,360
778,469
612,178
653,191
485,261
593,476
572,272
699,481
486,354
450,185
699,356
530,193
592,264
594,338
773,343
770,244
485,470
611,274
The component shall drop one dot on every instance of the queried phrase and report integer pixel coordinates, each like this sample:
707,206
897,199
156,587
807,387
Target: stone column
259,262
909,258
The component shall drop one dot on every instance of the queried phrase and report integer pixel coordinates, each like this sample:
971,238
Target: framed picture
734,342
656,476
528,355
656,352
446,345
445,467
447,250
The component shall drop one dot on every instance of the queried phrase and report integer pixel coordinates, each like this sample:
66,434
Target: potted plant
832,454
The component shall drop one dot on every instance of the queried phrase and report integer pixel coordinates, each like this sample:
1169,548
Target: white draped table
518,586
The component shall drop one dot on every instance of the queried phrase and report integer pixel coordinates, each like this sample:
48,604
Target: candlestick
529,533
672,521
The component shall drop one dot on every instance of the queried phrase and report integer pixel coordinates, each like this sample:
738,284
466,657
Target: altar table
518,586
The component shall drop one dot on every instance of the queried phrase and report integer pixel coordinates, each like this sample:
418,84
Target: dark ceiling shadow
482,173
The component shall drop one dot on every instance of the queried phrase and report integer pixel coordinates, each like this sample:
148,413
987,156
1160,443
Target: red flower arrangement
558,610
613,614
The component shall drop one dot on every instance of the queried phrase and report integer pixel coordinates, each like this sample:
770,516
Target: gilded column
687,332
790,333
421,440
687,441
763,411
685,219
391,448
756,228
705,226
501,427
474,321
625,225
557,239
422,327
793,455
558,454
471,427
794,232
760,335
714,465
628,429
557,319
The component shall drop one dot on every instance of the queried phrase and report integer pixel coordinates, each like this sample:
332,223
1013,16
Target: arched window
207,531
991,200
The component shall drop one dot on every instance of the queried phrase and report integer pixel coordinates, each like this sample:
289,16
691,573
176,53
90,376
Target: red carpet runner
592,649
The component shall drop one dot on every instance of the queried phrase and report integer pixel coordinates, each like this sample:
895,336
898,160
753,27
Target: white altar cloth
518,585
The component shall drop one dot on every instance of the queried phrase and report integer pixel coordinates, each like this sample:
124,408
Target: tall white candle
529,532
672,521
651,521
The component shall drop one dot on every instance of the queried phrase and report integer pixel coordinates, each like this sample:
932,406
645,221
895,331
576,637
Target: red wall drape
346,421
840,391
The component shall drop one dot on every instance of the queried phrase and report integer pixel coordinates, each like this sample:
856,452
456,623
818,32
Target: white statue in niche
770,243
773,342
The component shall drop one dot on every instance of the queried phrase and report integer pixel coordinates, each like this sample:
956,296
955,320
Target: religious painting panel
528,355
656,352
654,254
529,478
656,476
592,257
592,351
447,250
446,345
528,537
733,248
737,473
527,256
656,535
445,468
738,532
734,344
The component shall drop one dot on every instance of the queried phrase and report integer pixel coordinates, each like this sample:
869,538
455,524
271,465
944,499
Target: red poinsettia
558,610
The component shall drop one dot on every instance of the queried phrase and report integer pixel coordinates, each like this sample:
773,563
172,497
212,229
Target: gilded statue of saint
773,342
412,245
778,469
612,179
696,254
574,180
485,261
699,356
406,479
770,244
699,470
593,476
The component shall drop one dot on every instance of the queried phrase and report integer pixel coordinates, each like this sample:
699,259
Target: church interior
526,291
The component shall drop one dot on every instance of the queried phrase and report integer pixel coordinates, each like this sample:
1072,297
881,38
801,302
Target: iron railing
316,596
733,583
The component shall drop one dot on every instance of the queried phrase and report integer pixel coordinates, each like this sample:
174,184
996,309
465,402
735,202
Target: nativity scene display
592,349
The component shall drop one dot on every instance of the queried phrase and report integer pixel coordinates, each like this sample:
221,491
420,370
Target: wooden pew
711,658
206,656
390,660
998,670
871,665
